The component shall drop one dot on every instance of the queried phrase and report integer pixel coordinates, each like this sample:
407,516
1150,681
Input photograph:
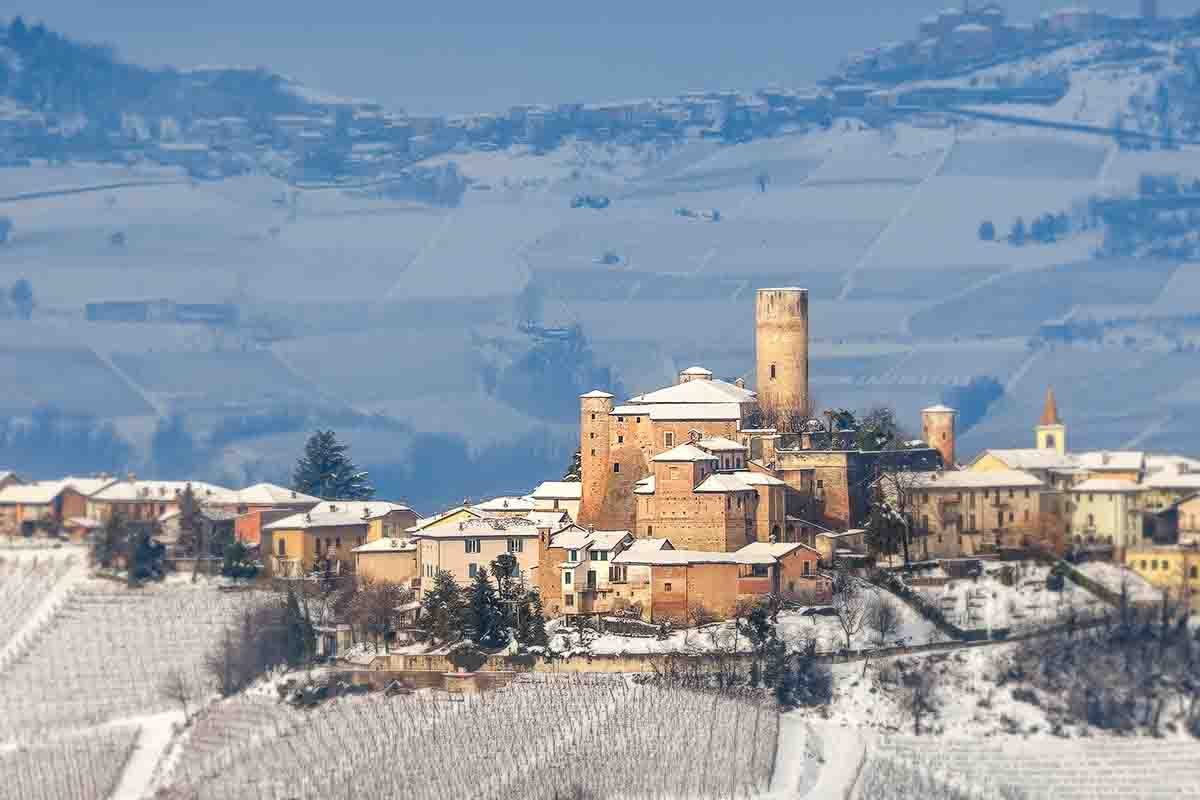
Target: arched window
1050,441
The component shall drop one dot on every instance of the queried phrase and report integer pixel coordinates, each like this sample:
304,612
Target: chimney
740,383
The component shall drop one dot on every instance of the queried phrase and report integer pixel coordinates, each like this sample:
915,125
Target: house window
337,543
592,435
617,466
666,587
616,574
516,545
282,547
569,600
1143,563
673,473
668,438
593,415
759,571
1195,572
620,440
472,545
1091,520
600,555
820,484
1026,494
772,372
556,505
472,570
637,420
807,567
620,419
593,451
649,530
572,555
567,578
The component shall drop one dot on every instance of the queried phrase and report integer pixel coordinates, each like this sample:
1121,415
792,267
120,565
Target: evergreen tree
508,591
987,231
1017,234
442,610
532,632
485,618
108,543
326,471
574,472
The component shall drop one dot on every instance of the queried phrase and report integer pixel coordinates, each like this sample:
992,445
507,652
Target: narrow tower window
772,372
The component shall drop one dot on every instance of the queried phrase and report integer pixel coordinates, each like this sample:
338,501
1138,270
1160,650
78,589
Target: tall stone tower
1051,432
937,429
595,459
781,346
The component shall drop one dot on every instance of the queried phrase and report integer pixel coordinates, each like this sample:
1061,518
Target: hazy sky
470,55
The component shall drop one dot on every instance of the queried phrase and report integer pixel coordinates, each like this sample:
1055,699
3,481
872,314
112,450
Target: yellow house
1175,568
462,548
326,535
386,559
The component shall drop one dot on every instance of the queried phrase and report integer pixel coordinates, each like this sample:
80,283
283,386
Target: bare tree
373,608
920,696
176,688
883,617
850,606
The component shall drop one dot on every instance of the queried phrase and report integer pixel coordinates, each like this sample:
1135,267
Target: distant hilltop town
252,118
705,492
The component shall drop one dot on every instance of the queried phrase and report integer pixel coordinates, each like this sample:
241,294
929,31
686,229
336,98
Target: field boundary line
58,596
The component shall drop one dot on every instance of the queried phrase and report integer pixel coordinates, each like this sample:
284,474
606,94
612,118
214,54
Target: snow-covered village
826,441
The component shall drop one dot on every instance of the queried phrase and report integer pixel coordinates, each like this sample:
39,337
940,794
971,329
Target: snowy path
11,649
816,760
153,743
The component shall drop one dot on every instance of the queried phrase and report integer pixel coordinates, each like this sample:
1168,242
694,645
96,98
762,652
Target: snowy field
86,765
989,603
559,736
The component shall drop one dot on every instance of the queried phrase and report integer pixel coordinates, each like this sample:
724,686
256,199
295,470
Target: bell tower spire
1051,433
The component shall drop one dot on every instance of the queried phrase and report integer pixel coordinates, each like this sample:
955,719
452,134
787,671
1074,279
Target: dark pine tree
442,610
299,638
533,623
326,471
485,618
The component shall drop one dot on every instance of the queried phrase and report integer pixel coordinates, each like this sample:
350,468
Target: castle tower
781,348
1051,432
937,428
594,457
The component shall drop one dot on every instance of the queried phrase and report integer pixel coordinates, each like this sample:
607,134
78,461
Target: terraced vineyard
106,654
85,766
538,739
1062,769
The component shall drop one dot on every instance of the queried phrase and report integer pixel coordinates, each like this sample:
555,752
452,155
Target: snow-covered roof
717,444
269,494
1165,463
685,452
1030,458
723,482
1114,460
939,409
135,490
337,513
506,503
1107,485
697,371
88,486
595,394
644,486
752,478
709,391
387,544
1165,480
580,539
651,545
558,490
481,526
969,479
39,493
549,519
852,532
768,552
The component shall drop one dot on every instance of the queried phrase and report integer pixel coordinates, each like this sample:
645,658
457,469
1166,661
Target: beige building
1175,569
326,536
577,573
462,547
966,513
1104,511
387,559
146,501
